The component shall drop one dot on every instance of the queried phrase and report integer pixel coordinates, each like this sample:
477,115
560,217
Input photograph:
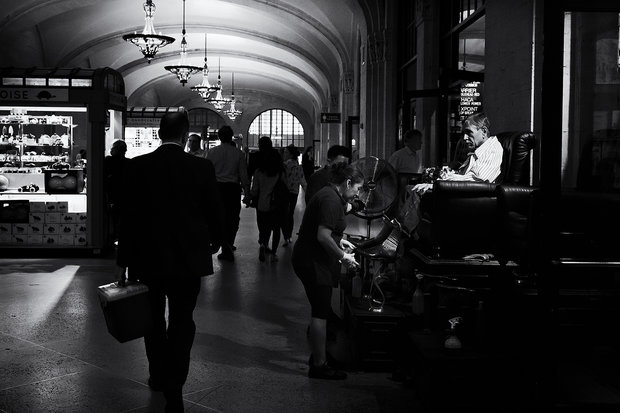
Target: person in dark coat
307,162
170,218
269,215
114,167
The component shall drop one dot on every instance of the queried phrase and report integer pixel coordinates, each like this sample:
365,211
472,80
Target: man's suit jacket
171,215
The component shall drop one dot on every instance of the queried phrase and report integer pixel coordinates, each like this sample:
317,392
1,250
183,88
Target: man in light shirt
484,163
232,177
485,159
408,159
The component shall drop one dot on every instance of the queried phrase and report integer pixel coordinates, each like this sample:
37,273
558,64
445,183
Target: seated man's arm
485,169
453,176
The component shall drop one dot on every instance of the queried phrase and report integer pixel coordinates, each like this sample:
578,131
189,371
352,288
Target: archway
280,125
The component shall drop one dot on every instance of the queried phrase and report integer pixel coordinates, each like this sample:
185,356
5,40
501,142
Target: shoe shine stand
382,250
375,305
378,193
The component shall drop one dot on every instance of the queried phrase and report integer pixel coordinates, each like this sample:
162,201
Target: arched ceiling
289,53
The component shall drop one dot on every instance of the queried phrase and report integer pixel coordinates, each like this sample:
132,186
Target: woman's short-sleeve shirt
326,208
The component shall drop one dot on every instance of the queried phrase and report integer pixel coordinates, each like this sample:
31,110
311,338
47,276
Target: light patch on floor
42,293
245,330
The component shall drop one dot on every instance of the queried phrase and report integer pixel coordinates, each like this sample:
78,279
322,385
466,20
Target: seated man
482,165
484,162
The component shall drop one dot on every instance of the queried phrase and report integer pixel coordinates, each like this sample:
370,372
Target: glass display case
31,143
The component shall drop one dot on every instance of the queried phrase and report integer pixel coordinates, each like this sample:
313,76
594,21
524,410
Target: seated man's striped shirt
483,165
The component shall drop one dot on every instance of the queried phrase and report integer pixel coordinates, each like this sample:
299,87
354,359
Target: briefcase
126,310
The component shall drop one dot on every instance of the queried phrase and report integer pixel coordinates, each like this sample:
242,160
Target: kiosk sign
471,99
34,94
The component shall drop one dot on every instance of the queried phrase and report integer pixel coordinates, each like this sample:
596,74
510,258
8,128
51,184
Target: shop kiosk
56,127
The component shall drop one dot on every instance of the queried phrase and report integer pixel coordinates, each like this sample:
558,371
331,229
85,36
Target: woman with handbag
269,192
295,179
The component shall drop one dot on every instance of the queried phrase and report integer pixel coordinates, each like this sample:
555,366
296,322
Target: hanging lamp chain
183,31
182,70
183,41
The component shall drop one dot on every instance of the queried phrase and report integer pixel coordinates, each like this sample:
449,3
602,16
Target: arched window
281,126
205,122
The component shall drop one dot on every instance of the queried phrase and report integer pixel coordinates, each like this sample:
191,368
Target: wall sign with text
470,99
34,94
330,117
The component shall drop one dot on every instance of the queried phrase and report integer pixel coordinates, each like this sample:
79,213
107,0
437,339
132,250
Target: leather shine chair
518,223
515,167
460,218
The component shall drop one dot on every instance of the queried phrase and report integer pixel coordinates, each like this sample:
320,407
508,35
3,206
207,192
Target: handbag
126,309
279,195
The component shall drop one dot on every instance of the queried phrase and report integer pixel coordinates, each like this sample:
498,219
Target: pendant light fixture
205,89
232,112
218,101
183,71
148,41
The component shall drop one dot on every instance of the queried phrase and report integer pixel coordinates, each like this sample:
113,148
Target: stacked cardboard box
6,233
49,224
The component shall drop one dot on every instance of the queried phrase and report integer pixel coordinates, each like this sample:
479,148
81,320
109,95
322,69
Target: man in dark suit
170,220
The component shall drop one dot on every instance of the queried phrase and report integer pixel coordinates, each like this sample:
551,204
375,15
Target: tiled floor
249,354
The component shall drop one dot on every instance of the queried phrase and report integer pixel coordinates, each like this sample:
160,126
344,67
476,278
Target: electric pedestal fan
378,193
380,187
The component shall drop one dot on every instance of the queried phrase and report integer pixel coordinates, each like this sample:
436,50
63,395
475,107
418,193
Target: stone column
427,77
378,77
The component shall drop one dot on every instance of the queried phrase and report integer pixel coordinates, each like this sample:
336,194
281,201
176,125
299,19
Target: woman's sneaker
325,372
261,253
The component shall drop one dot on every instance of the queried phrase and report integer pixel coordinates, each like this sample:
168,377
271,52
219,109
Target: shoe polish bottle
453,342
356,285
480,325
417,301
